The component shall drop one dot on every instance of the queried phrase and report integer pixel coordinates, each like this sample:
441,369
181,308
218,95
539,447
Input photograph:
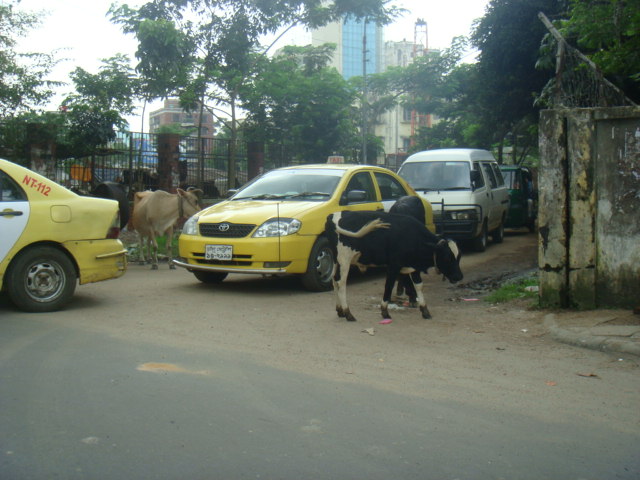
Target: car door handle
10,213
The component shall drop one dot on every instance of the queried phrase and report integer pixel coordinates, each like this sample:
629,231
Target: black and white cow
399,242
412,206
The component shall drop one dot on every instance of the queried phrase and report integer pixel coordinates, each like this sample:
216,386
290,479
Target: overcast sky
81,32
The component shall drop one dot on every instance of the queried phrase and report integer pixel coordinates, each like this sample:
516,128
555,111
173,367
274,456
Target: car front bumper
271,255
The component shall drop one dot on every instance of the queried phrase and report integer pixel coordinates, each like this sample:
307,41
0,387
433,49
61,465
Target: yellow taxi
275,224
51,239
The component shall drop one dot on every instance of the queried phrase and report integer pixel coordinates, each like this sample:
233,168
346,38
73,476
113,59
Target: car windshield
437,175
304,184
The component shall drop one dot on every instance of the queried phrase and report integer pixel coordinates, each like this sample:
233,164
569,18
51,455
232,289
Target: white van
465,187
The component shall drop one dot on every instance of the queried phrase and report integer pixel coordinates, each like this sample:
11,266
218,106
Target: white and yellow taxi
275,224
51,239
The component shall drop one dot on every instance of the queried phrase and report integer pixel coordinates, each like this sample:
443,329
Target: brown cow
156,213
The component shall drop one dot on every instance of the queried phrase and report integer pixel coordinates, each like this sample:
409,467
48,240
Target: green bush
514,290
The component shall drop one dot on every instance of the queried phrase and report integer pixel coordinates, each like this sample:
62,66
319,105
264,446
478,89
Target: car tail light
114,229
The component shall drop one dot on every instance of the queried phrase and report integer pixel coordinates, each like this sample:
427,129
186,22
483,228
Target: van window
490,175
437,175
390,188
498,174
480,182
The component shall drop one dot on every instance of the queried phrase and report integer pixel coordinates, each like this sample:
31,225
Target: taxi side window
10,191
390,188
362,181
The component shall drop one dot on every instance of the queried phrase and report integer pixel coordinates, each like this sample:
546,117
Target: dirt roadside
500,357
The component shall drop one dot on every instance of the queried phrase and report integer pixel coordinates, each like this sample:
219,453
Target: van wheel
479,244
498,234
320,267
41,279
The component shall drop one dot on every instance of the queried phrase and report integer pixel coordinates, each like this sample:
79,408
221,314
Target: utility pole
364,92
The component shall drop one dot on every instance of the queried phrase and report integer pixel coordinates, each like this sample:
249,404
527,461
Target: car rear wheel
479,244
41,279
320,267
498,234
210,277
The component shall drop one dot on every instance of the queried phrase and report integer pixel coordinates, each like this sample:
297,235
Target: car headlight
463,215
278,227
190,227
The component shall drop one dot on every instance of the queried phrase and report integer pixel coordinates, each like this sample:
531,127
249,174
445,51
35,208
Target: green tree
210,53
608,32
98,106
297,101
23,76
508,38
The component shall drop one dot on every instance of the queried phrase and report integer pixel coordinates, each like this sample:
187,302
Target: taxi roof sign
335,159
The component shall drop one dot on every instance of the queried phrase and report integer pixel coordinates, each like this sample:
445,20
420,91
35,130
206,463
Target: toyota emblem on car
223,227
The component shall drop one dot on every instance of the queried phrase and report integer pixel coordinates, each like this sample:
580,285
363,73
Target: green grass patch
514,291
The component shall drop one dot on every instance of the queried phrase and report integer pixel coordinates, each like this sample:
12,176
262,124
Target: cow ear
442,242
180,192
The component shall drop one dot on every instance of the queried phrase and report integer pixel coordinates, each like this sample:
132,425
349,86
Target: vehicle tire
498,234
531,225
479,244
41,279
318,277
210,277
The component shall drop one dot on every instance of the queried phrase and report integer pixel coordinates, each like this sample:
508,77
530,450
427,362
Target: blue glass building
353,38
348,36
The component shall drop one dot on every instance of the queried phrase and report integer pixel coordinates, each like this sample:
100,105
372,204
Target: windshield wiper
263,196
309,194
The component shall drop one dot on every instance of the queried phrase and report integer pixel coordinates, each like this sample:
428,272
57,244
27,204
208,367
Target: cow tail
366,229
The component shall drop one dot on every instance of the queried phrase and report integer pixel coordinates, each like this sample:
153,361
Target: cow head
190,201
447,258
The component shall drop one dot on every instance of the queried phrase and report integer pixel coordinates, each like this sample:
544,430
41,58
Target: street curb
587,340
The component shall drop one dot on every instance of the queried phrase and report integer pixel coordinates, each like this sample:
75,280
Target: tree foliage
206,49
295,100
23,76
608,31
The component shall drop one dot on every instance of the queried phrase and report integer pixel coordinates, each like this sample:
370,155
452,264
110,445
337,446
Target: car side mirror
231,192
475,179
353,196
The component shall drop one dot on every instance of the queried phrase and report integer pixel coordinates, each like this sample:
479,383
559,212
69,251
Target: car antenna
279,234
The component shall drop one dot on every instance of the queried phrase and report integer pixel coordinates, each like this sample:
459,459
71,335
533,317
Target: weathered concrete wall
589,220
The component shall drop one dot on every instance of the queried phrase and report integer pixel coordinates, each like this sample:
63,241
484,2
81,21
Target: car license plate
218,252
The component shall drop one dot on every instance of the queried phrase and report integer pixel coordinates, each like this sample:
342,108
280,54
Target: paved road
204,383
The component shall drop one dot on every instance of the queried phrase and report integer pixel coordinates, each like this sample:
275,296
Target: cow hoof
154,267
345,313
425,313
172,266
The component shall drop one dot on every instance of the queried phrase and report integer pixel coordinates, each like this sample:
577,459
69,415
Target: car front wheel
320,267
41,279
479,244
210,277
